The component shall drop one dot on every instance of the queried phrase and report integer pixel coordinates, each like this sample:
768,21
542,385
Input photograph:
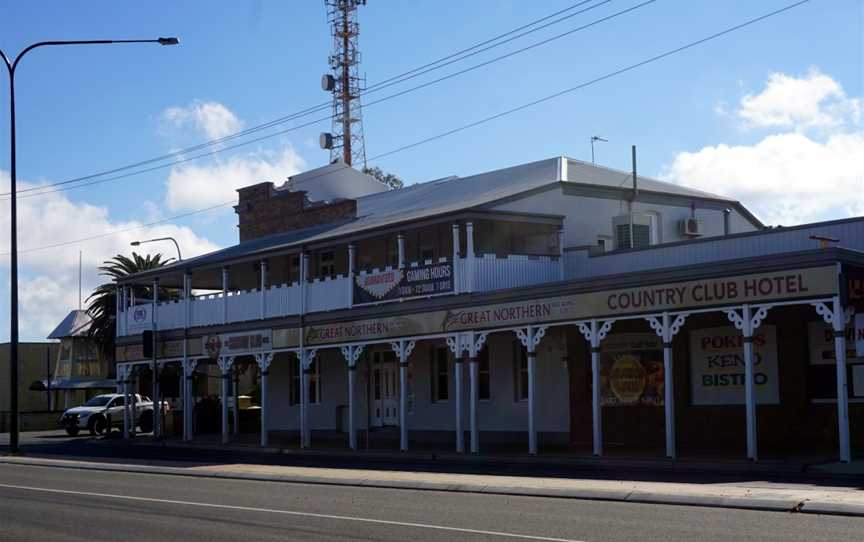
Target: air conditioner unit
690,227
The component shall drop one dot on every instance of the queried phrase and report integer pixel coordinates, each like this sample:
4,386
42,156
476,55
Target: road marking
295,513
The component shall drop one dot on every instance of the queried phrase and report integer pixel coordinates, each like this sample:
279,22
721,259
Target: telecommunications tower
345,140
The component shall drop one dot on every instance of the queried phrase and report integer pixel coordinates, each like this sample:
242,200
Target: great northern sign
753,288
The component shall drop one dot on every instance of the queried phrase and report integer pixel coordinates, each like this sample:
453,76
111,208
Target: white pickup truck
102,412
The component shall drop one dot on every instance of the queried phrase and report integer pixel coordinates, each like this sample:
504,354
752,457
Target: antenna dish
325,140
328,82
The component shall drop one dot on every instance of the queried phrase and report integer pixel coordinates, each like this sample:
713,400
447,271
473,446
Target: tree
387,178
102,303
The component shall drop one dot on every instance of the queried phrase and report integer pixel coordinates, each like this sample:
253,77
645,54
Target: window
326,264
440,374
294,390
601,242
484,383
520,370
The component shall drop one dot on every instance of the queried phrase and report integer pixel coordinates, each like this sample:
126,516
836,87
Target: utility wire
416,72
484,120
49,188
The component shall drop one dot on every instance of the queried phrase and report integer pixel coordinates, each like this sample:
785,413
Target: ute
102,412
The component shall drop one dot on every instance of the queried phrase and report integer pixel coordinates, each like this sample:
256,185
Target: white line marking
295,513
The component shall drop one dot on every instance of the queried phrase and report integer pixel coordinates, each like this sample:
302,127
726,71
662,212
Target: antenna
345,140
79,280
593,139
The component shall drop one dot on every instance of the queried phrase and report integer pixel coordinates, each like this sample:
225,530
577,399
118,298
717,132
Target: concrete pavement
46,504
750,495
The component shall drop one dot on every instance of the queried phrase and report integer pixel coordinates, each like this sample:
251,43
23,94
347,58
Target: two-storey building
553,304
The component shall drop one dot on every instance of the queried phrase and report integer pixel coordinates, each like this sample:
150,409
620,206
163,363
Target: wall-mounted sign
753,288
631,370
859,335
717,366
821,341
139,318
230,344
392,284
852,288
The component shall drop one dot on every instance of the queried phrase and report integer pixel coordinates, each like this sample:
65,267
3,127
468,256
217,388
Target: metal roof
76,324
441,197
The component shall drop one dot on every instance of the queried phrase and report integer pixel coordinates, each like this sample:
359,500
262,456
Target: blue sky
87,109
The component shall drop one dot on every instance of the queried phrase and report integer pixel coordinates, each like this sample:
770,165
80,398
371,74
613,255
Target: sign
164,349
821,340
393,284
229,344
852,288
631,370
139,318
717,366
753,288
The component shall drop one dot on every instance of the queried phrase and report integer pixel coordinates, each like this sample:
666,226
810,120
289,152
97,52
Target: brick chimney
262,210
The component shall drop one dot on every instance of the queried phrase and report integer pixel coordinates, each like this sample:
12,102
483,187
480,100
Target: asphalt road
50,503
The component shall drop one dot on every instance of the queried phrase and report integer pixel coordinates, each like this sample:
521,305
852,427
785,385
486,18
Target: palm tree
102,305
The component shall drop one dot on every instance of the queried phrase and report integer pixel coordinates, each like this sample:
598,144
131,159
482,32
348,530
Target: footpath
839,492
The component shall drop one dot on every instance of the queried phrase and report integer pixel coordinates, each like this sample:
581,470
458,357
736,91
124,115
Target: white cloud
212,119
792,176
194,186
785,178
813,101
48,278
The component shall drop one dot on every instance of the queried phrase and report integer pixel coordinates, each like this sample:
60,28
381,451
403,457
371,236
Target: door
385,382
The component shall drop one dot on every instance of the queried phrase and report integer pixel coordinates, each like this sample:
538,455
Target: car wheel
72,431
97,426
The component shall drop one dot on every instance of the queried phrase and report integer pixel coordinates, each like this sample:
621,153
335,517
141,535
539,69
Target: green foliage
387,178
101,304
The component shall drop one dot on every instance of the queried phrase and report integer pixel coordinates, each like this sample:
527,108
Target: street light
11,65
138,243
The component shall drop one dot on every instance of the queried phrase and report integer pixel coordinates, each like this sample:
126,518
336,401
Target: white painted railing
206,310
282,300
514,271
332,293
328,294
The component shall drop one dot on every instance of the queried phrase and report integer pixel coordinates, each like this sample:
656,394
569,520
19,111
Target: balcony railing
482,273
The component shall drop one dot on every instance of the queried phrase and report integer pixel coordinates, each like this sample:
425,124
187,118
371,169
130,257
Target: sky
769,114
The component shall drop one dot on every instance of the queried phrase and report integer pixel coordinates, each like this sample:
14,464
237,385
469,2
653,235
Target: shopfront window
440,375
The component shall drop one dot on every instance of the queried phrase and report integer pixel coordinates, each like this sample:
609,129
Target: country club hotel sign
752,288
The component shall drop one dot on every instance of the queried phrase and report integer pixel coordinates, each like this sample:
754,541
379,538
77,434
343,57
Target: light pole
11,65
138,243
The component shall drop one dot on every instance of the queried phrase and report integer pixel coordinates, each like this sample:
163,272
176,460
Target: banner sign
229,344
631,370
821,340
753,288
393,284
139,318
717,366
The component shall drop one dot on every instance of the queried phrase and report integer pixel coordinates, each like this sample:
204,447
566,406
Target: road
50,503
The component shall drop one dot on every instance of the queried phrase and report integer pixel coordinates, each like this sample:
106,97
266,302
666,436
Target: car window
118,401
99,400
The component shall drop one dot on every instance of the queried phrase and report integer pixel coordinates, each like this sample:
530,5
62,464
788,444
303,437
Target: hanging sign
421,280
852,288
717,366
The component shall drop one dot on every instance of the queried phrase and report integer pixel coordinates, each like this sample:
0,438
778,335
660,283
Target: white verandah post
225,363
457,264
594,332
837,316
264,360
352,354
403,350
666,329
455,344
474,346
530,337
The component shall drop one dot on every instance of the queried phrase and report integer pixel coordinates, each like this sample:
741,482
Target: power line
321,107
486,119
